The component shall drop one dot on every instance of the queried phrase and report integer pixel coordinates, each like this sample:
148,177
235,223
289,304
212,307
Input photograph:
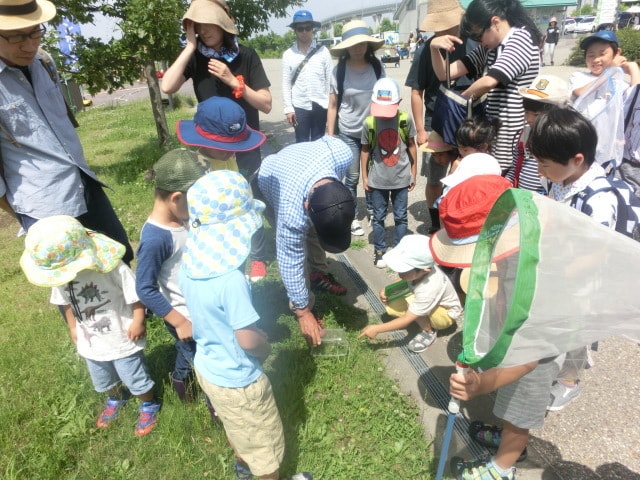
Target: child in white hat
433,305
96,293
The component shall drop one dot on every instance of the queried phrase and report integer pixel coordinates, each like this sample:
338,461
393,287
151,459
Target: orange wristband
238,92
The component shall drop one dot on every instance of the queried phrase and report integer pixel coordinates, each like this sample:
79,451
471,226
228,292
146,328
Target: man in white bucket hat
44,172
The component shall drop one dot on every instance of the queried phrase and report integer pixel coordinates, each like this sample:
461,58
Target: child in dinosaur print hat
96,292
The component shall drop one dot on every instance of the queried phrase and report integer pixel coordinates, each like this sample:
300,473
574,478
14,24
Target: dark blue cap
303,16
601,36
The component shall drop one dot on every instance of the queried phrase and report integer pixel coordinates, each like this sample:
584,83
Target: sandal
489,436
422,341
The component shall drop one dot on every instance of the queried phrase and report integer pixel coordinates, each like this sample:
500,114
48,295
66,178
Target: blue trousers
380,199
311,123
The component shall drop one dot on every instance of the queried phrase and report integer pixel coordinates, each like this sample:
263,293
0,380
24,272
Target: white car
586,25
568,26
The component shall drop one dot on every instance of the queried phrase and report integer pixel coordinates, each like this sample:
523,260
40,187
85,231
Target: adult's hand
190,31
221,70
291,118
311,329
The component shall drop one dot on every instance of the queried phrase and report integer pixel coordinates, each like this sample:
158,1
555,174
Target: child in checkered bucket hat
223,215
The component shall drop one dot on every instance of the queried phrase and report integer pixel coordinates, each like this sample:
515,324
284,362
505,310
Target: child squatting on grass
433,303
96,292
230,347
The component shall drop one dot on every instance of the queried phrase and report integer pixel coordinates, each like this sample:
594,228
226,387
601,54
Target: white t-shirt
434,290
104,303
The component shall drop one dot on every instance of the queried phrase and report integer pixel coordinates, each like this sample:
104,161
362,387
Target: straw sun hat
441,15
17,14
215,12
353,33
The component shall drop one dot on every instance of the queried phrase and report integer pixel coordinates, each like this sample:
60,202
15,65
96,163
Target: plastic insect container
397,290
334,344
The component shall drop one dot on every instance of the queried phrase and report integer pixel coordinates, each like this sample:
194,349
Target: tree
337,30
151,32
387,25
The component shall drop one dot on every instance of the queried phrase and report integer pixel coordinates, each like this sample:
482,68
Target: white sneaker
356,229
422,341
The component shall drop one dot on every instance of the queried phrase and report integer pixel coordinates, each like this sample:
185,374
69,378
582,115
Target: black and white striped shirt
515,63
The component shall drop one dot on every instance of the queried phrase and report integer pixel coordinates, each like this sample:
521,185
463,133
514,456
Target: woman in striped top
509,52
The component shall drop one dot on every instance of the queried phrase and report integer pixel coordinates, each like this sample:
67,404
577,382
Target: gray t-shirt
390,167
356,98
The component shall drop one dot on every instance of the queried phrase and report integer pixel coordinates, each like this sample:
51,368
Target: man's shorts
252,422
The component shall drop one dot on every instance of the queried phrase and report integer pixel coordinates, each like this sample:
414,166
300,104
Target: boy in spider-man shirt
388,140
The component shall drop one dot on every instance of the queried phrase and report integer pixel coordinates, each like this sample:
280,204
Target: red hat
462,213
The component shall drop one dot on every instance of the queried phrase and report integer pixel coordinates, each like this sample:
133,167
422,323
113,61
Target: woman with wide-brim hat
219,66
352,82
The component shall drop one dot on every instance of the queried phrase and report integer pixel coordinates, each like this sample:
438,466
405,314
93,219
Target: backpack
372,127
628,203
47,63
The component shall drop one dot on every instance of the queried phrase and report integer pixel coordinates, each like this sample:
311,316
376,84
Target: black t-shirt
422,76
247,64
553,35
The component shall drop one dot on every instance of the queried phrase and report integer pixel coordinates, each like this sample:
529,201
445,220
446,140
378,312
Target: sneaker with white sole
258,271
562,395
378,261
356,229
422,341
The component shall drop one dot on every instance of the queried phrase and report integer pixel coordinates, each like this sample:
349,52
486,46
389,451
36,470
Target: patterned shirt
312,84
285,180
514,64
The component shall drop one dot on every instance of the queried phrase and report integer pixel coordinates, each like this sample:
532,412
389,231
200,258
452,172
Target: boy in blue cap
220,130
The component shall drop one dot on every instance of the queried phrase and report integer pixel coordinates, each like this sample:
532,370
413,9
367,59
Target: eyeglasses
22,37
304,29
476,36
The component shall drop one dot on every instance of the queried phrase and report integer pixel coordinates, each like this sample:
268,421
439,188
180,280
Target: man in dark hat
44,172
306,75
313,214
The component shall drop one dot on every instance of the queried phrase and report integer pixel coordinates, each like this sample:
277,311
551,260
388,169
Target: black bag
451,109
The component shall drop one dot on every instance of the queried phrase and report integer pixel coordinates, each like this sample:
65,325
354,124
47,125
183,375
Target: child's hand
185,331
365,183
136,331
464,386
619,61
370,331
412,185
383,296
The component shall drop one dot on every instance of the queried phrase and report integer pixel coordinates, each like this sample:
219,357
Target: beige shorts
252,422
439,318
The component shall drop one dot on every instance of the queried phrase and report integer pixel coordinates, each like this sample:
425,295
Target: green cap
178,169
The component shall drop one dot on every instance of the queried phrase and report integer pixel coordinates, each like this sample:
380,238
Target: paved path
595,437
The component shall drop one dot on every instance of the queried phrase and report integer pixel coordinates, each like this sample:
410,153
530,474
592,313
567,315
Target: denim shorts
131,370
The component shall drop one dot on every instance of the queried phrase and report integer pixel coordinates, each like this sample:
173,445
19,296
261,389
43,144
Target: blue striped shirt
285,179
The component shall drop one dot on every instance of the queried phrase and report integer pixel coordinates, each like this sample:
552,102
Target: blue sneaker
242,471
111,408
301,476
147,419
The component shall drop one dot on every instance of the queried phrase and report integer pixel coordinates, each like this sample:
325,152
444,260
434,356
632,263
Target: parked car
623,20
586,25
568,26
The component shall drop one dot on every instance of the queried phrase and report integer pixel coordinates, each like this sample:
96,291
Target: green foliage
387,25
343,418
271,45
629,44
586,9
337,30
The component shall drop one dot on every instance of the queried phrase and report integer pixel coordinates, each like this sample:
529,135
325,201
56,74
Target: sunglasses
476,36
304,29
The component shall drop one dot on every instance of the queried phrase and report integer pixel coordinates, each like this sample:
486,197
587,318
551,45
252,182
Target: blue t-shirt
218,307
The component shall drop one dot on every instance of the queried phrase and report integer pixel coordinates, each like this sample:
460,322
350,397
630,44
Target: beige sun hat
353,33
441,15
17,14
215,12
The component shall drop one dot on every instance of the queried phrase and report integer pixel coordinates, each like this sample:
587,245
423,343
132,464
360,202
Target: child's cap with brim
472,165
220,123
223,217
385,98
601,36
547,89
435,144
411,252
57,248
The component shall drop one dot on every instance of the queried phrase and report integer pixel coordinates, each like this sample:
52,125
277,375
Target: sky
320,9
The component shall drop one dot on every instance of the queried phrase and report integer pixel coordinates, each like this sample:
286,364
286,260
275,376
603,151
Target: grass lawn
344,419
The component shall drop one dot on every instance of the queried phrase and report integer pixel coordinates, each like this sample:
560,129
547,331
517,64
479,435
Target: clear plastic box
334,344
